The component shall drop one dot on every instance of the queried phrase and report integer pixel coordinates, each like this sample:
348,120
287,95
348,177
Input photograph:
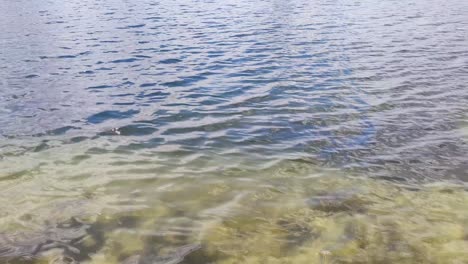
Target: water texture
233,131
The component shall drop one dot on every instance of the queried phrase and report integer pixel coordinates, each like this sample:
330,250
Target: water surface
233,131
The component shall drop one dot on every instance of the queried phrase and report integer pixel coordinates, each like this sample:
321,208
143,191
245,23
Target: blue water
338,81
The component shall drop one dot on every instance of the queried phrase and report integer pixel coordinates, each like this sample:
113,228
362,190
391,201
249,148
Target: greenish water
237,131
90,211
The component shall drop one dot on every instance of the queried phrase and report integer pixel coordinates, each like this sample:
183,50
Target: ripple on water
229,132
107,115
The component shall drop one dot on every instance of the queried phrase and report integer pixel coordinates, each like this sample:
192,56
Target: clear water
233,131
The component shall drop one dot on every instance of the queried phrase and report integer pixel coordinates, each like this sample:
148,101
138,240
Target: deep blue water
346,82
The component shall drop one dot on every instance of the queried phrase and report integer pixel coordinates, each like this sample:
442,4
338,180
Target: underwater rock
174,256
135,259
338,202
27,246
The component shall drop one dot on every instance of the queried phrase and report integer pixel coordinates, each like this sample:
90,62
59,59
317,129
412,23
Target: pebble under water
262,131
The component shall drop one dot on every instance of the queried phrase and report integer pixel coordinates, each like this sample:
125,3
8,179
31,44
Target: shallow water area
233,131
290,212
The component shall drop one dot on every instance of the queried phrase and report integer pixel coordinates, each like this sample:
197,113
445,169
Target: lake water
237,131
